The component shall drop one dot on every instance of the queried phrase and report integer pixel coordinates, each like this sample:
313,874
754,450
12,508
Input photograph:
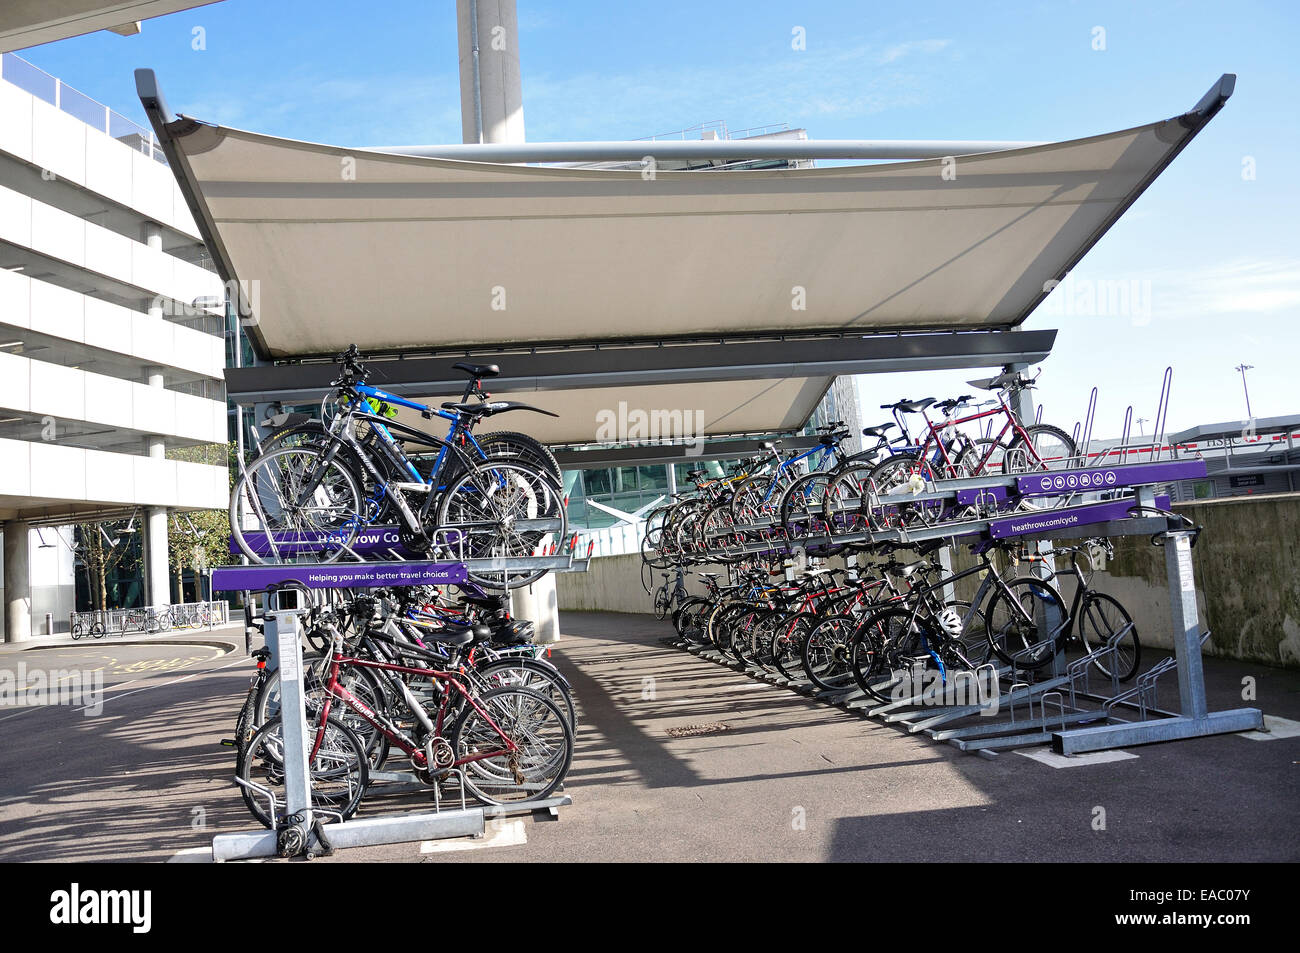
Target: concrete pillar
500,105
157,578
18,581
537,603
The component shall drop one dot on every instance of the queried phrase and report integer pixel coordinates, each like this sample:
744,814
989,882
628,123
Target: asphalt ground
777,776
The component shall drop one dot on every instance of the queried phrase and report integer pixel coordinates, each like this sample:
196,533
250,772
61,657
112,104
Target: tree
199,539
104,547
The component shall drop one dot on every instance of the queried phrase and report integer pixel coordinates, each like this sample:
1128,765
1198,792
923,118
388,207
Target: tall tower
491,96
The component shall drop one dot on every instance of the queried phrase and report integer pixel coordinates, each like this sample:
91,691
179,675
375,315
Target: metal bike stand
1081,517
1195,720
286,585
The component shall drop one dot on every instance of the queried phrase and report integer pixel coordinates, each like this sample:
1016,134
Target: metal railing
148,619
33,79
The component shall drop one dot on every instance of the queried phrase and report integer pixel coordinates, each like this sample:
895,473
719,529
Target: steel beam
611,364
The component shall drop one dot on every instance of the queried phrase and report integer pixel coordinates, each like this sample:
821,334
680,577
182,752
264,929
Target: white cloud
900,50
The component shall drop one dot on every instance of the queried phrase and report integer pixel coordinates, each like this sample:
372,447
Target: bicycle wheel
506,445
842,508
887,495
787,644
803,510
880,645
662,602
77,631
536,675
97,630
339,772
494,511
362,682
741,634
1100,618
1025,622
1053,448
716,533
542,746
291,505
825,653
690,617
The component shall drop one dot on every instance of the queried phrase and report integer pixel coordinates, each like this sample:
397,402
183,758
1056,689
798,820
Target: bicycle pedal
227,743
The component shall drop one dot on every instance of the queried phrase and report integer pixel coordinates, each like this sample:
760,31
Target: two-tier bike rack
288,588
1103,500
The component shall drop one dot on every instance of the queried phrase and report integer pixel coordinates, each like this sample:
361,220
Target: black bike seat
468,408
455,638
917,566
877,430
478,370
914,406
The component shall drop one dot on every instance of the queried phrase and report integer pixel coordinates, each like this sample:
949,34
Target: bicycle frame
334,690
829,452
1012,423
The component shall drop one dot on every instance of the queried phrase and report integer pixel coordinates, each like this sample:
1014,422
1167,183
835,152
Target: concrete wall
1247,565
612,584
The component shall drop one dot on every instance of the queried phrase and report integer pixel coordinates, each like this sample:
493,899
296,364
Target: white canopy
25,23
400,252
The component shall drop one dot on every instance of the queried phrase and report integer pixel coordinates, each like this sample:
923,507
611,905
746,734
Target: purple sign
1106,478
376,540
1045,522
338,575
987,494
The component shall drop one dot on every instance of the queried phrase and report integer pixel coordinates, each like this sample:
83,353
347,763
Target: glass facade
624,488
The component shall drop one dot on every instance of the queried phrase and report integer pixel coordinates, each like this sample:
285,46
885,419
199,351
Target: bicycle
670,597
947,453
304,501
1100,618
94,629
508,744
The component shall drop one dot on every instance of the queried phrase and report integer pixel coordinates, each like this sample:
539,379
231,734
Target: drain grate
692,731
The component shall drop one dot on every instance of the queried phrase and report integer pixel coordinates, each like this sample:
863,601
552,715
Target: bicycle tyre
1095,630
324,543
1013,633
336,763
491,779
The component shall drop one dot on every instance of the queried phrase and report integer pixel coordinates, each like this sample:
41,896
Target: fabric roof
25,23
399,253
419,252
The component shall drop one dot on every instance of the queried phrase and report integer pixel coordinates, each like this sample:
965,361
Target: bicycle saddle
478,370
474,409
455,637
877,430
914,406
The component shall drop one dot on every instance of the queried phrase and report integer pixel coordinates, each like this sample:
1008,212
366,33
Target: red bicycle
509,744
948,453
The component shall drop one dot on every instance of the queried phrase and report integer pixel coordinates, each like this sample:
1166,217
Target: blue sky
1218,251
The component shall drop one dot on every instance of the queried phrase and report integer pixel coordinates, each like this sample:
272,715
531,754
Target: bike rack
1067,726
286,585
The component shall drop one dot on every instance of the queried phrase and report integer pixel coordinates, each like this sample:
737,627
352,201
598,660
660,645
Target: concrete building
111,342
